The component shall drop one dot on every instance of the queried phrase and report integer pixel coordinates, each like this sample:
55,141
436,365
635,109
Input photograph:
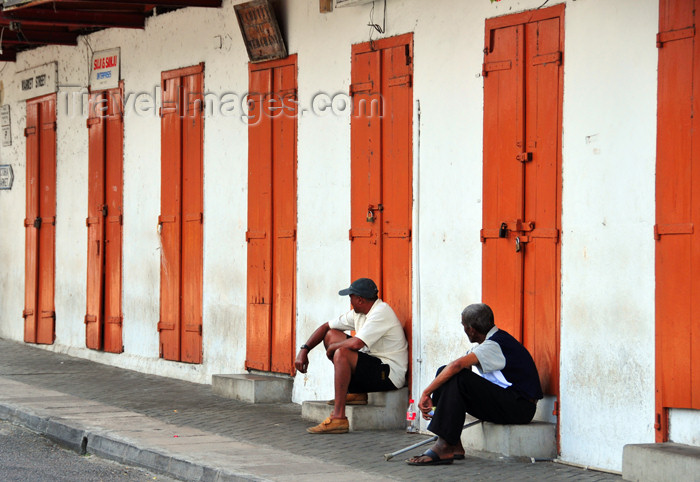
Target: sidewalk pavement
184,430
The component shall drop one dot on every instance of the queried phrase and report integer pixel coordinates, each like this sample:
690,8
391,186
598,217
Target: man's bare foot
439,454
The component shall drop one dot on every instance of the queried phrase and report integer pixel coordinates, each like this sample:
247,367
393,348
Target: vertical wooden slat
503,173
397,179
366,149
192,219
47,211
31,232
284,134
170,219
95,221
114,155
541,206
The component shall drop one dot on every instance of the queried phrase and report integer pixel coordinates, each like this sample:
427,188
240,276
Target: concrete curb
109,446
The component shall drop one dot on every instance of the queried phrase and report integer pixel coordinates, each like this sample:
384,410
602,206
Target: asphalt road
26,456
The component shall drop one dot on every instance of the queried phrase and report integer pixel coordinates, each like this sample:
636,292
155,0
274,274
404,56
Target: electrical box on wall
350,3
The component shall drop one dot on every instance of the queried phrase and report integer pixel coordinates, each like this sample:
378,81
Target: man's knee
343,354
333,336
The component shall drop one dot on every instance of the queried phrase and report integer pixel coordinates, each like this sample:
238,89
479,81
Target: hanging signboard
105,69
260,30
38,81
5,125
6,176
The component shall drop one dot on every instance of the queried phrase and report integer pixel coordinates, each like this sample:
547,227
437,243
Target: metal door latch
37,222
503,231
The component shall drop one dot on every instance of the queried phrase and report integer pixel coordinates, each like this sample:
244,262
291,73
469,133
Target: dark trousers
467,392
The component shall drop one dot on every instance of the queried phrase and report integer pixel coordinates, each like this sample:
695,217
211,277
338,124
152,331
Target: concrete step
667,462
535,440
253,388
384,411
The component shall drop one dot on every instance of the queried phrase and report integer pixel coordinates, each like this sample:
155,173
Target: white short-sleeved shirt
491,360
383,335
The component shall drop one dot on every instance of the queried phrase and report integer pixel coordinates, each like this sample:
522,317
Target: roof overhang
27,24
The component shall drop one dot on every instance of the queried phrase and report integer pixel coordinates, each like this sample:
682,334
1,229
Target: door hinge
663,37
115,320
555,412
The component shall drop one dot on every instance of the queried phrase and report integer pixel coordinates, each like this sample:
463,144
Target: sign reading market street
38,81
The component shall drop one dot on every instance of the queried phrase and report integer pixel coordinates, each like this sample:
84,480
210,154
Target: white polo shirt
383,335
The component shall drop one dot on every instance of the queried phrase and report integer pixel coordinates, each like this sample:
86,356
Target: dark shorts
371,375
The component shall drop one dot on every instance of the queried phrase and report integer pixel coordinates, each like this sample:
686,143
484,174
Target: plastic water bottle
411,418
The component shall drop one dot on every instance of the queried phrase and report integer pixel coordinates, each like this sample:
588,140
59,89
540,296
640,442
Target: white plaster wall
609,125
607,314
12,214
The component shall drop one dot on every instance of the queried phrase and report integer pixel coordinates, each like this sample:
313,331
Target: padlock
503,232
370,216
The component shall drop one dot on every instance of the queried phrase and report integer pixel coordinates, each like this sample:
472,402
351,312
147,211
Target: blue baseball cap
363,287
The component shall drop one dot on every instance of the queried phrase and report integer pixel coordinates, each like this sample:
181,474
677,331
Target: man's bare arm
426,404
302,361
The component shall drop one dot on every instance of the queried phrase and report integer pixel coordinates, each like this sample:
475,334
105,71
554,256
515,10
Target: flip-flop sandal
434,459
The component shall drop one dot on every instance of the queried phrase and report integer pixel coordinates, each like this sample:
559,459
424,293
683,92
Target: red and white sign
104,69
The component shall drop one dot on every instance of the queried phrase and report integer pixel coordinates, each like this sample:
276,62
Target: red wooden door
677,213
522,159
271,232
382,176
180,222
103,319
39,312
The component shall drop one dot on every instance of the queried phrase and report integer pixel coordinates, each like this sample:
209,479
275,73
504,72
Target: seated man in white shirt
374,360
505,390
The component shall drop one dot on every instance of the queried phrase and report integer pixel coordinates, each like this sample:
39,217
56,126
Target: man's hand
425,405
302,361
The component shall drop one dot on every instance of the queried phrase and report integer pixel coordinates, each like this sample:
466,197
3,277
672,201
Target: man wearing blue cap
374,360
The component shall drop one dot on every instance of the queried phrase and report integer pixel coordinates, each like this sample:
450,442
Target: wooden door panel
397,180
284,220
366,145
259,235
541,205
95,223
503,175
272,216
47,212
114,155
31,274
522,158
169,223
382,170
677,213
192,219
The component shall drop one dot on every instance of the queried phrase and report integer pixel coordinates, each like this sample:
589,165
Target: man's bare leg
344,363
